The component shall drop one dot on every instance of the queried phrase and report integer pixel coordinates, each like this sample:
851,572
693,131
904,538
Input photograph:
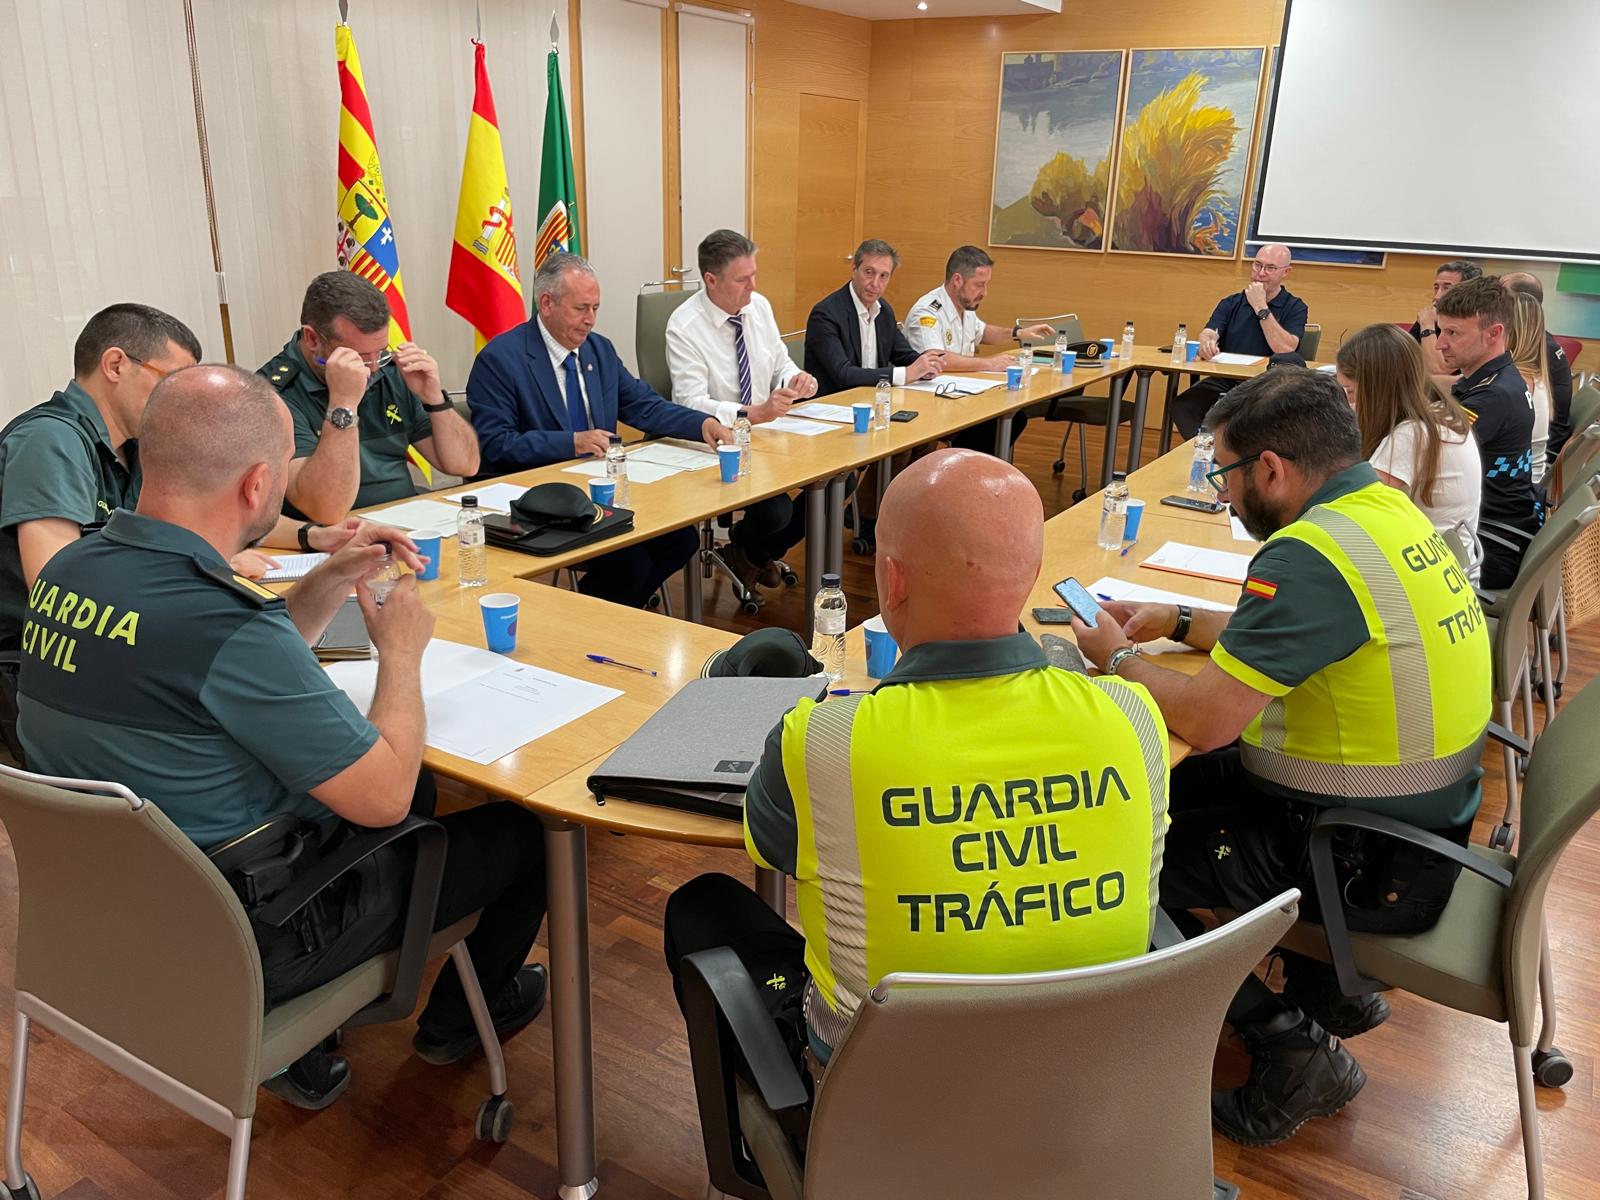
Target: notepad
1180,559
292,566
1235,360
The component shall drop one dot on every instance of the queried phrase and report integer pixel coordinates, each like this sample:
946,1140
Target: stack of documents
653,462
292,566
1221,565
837,414
1224,359
418,514
482,706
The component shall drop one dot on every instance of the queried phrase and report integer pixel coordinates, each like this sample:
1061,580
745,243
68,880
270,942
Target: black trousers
1233,845
982,437
495,863
1190,406
633,574
770,528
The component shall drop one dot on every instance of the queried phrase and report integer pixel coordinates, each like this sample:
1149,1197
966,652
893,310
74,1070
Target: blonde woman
1414,434
1525,341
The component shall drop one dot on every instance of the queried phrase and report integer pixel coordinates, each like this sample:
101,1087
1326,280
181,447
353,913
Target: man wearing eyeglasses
1355,673
1263,319
358,406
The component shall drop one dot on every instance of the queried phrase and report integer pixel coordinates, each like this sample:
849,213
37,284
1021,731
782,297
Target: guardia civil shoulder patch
1260,587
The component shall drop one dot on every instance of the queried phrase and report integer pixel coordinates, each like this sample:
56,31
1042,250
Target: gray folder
699,751
346,636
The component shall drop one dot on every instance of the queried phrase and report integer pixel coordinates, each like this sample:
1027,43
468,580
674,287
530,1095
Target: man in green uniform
359,406
147,659
1355,672
980,810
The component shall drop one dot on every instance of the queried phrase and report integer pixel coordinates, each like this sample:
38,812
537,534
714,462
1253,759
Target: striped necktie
743,357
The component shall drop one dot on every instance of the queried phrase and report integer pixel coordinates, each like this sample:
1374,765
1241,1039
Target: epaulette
244,585
934,304
280,372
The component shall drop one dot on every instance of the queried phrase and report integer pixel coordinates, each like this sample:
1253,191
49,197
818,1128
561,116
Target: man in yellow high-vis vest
1354,672
979,811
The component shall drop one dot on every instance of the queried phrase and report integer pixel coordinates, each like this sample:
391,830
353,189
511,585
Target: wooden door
828,209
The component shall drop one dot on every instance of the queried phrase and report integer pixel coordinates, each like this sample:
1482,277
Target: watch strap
440,407
303,536
1263,313
1185,620
1426,333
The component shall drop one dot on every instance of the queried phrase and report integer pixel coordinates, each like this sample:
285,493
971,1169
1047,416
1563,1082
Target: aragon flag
558,188
484,286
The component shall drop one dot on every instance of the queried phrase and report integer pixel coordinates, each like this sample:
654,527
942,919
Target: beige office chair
949,1085
1522,623
1310,342
795,344
133,947
1585,409
1488,954
652,311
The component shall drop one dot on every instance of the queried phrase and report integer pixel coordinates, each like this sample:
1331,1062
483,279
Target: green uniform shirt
56,460
390,419
147,661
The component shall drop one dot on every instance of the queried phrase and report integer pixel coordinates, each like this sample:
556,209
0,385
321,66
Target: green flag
558,189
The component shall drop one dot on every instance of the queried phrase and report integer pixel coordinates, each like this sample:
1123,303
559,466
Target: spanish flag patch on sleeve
1260,587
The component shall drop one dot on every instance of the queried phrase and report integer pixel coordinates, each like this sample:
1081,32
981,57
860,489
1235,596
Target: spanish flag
485,285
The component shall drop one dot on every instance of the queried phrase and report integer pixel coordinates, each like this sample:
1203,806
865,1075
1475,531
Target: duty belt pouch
259,865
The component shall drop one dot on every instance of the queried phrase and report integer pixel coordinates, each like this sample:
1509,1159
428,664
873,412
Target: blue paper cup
728,460
881,649
1013,379
863,416
1191,351
1130,530
500,620
1069,361
603,491
428,543
1109,345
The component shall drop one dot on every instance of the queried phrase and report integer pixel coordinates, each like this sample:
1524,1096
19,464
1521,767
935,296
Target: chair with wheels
908,1106
133,946
1078,411
1489,954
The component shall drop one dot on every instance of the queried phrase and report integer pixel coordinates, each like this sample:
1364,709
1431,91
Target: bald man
1558,370
1265,318
979,810
148,660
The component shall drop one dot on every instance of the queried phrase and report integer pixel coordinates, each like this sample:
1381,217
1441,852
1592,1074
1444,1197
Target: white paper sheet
1184,559
482,706
496,497
418,514
957,385
678,455
638,472
1136,593
839,414
803,428
1235,360
292,566
1239,532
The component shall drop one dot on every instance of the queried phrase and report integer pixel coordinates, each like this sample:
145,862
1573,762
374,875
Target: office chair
1079,411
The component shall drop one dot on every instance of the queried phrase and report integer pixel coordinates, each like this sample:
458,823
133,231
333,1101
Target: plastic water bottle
827,624
1180,344
617,470
1063,345
1127,342
741,439
472,563
1114,512
1204,445
882,401
384,576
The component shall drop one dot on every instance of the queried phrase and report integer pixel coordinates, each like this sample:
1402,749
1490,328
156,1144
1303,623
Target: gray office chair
1311,342
1488,955
1585,409
652,311
795,344
1079,411
133,947
950,1085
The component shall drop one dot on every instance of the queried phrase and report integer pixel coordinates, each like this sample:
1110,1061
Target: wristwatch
1180,628
341,418
1263,313
1119,656
1422,333
303,536
439,407
1016,331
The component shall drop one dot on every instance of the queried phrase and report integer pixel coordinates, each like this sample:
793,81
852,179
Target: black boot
1297,1072
313,1081
1319,997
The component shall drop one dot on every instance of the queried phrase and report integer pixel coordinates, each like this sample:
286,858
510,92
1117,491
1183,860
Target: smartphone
1078,600
904,414
1189,502
1053,616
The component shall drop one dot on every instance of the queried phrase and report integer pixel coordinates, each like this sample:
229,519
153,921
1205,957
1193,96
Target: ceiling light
922,5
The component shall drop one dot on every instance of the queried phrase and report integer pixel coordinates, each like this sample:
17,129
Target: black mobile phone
1053,616
904,414
1189,502
1079,600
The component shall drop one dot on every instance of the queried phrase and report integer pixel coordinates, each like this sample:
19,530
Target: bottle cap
469,502
830,580
1119,476
616,439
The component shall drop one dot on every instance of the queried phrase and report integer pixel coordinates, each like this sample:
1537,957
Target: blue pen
1103,596
847,692
1128,547
611,662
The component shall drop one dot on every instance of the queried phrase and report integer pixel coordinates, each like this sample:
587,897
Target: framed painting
1311,255
1053,147
1185,151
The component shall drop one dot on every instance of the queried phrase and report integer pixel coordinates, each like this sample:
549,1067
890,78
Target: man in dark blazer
852,337
552,389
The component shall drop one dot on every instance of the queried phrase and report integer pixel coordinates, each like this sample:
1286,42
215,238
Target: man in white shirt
727,357
947,319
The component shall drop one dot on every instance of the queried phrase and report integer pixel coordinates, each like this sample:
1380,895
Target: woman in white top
1414,434
1525,341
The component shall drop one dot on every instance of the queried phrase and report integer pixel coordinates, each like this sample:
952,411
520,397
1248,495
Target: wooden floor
1437,1119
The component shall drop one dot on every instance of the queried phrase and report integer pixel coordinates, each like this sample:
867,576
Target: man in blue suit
552,389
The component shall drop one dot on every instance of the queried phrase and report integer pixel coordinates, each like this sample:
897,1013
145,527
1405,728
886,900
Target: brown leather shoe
771,574
745,571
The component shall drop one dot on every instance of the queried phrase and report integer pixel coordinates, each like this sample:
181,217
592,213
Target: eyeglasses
1269,268
373,362
158,372
1217,476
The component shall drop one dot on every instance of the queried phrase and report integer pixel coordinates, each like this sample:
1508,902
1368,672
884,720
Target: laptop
698,752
